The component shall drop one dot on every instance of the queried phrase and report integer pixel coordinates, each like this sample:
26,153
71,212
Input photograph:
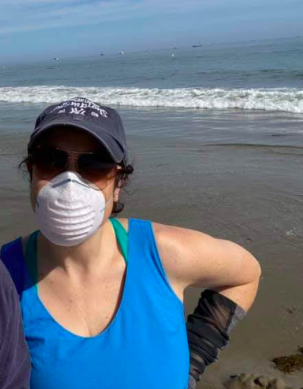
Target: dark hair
121,180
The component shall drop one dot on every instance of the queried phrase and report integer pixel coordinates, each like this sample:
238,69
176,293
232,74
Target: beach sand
231,175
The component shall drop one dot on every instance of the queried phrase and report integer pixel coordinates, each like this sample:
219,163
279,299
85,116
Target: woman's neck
90,255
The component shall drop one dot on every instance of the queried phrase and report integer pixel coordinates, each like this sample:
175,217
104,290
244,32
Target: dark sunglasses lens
95,168
49,161
94,161
60,159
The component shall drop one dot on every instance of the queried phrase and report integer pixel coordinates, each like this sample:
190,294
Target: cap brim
113,147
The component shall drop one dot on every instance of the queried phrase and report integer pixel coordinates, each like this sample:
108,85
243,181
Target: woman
102,298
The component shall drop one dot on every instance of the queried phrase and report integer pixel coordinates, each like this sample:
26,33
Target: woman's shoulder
173,238
166,233
173,241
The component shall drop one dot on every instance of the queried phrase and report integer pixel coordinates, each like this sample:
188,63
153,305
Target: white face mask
69,210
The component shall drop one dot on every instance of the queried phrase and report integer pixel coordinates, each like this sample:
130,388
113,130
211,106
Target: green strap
31,256
122,237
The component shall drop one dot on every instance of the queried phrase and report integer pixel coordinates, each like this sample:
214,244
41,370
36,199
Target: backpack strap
13,258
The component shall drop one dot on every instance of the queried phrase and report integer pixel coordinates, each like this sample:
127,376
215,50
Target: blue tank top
145,345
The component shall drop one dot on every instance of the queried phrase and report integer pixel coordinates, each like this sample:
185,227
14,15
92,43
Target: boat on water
195,46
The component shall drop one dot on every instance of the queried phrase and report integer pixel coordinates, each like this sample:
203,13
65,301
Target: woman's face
72,139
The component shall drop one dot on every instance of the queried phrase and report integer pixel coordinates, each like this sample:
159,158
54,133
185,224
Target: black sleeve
14,355
208,329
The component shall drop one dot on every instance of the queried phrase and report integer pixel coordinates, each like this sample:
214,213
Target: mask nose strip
64,182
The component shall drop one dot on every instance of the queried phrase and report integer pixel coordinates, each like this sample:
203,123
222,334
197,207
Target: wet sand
231,175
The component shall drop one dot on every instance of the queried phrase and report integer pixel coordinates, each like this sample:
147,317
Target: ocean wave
268,99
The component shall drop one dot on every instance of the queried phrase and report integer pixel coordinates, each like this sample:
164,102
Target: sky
43,29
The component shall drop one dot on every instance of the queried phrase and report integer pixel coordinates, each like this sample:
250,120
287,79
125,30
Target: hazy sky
41,29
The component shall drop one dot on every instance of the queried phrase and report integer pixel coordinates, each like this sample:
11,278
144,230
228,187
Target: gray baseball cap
103,123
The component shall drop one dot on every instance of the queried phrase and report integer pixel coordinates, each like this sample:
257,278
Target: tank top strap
146,262
13,258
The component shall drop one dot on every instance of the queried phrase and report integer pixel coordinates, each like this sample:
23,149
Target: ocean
263,75
216,139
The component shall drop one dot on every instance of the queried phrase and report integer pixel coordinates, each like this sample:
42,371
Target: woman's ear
116,195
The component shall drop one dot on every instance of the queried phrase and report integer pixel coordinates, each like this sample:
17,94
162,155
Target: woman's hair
121,179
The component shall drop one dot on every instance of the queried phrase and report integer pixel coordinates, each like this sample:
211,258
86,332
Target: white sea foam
283,99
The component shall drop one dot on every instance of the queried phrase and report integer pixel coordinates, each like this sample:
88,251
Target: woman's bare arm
192,258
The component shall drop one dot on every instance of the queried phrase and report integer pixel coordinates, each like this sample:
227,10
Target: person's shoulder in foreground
14,355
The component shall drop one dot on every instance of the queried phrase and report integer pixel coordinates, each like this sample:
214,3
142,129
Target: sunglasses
49,161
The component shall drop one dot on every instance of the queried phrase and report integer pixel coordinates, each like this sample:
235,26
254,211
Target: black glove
208,330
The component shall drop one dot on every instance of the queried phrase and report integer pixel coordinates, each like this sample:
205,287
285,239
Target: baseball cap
104,123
